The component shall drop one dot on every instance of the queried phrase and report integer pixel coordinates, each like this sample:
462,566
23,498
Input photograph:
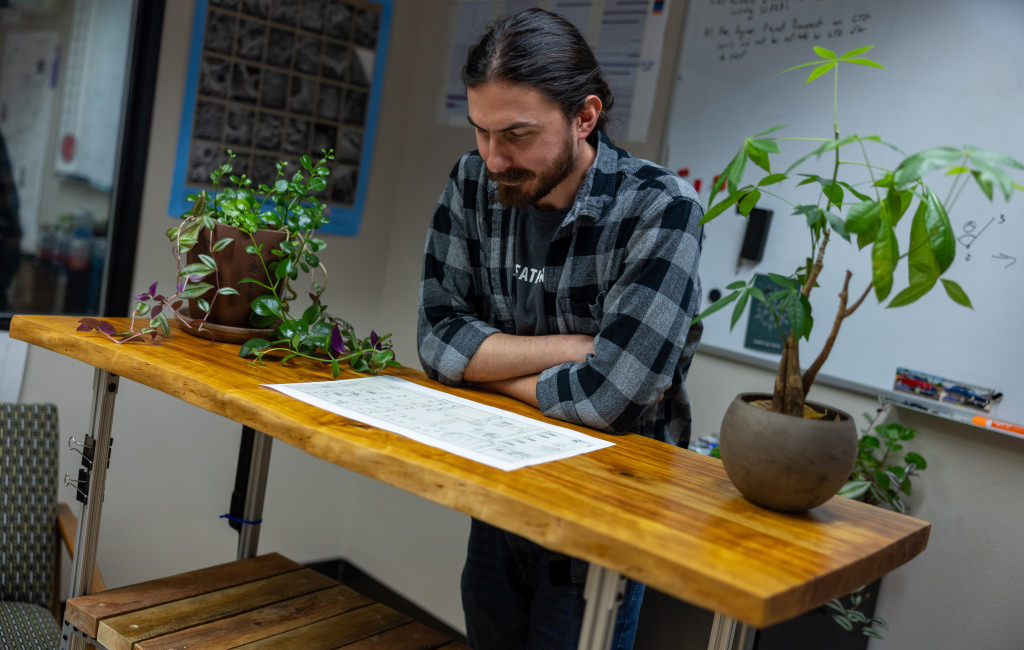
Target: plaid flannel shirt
622,267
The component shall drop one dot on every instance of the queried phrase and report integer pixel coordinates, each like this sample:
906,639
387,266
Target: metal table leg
96,457
603,593
256,487
729,634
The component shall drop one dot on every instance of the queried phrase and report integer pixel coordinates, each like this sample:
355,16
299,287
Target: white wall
172,465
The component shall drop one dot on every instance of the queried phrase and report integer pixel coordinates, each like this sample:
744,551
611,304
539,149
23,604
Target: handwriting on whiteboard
742,27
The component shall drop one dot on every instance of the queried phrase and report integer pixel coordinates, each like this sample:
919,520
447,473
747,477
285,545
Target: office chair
30,522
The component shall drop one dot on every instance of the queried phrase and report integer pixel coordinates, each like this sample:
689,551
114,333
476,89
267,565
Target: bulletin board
275,81
952,77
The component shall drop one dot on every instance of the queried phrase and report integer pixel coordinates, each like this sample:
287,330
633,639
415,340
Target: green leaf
815,215
856,52
867,62
208,261
914,167
769,130
956,293
771,179
733,172
782,281
819,71
759,157
836,144
854,489
897,202
266,306
197,268
195,290
162,324
718,304
989,169
923,269
843,622
885,255
797,310
940,231
915,458
720,207
863,219
824,52
852,190
252,346
749,202
228,291
857,616
983,181
869,442
834,192
765,145
737,311
837,224
221,244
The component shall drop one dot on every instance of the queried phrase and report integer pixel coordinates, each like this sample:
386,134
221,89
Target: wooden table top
656,513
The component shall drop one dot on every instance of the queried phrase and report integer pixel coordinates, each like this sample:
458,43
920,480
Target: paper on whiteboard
476,431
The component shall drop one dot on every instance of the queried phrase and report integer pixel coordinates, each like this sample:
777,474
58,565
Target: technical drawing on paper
483,433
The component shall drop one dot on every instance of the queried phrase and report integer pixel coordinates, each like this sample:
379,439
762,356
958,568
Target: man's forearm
506,356
523,389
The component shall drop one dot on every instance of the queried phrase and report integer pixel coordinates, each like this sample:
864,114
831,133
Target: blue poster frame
344,220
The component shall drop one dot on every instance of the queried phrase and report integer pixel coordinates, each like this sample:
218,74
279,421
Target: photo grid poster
273,80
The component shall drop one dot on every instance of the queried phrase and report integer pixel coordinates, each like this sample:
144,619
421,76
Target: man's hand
506,356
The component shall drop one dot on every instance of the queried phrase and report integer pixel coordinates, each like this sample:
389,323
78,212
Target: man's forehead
503,106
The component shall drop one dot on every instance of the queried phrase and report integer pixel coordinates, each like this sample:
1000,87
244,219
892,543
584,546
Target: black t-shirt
533,238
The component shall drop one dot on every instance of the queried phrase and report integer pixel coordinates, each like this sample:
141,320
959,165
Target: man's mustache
510,175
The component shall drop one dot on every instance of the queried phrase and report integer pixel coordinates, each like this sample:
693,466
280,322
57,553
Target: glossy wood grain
662,515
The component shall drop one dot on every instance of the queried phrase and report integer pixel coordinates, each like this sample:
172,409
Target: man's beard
514,196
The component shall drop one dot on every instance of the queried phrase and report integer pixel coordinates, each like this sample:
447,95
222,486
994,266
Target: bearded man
561,271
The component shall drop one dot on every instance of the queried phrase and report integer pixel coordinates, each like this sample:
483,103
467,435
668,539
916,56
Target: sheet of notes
476,431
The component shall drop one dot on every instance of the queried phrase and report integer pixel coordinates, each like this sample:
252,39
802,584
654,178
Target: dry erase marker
983,421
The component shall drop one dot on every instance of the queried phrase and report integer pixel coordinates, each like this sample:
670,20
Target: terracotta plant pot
233,265
784,462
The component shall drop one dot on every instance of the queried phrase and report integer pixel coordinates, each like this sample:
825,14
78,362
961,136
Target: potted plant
863,204
882,475
239,253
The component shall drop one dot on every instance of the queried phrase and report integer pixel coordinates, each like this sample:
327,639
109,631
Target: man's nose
497,158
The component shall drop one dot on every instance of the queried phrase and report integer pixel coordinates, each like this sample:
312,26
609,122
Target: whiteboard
953,76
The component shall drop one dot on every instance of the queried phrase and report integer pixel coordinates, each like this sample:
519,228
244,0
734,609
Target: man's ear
586,119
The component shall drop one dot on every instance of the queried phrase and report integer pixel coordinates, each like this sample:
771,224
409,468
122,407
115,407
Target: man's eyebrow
511,127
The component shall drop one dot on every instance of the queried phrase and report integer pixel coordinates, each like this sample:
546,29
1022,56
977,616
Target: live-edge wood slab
662,515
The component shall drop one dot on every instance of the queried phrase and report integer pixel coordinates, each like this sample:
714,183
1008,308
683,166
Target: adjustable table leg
91,484
603,593
256,487
729,634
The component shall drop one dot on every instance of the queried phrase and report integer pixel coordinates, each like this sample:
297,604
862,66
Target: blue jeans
517,595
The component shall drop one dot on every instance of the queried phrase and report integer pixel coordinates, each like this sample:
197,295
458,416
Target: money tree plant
858,203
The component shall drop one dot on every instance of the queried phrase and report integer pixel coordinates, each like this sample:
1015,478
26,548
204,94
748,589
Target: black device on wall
755,236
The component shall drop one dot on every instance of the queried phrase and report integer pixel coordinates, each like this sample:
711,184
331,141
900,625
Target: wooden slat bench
263,602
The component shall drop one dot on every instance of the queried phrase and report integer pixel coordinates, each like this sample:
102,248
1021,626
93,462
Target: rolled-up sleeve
646,316
449,331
